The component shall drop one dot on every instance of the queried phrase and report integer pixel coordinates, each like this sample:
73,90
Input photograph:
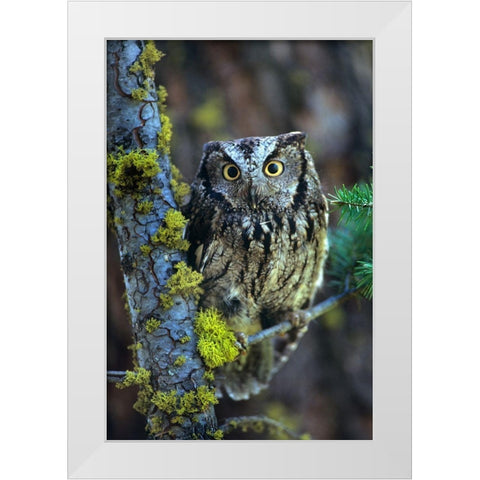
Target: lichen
185,281
144,207
191,402
216,435
146,250
216,342
133,171
180,361
180,188
166,301
139,94
164,136
209,375
147,59
139,377
152,324
185,339
170,233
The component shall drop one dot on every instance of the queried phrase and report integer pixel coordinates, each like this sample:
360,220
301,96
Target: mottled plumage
258,233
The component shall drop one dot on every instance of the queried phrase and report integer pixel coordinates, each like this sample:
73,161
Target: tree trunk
173,394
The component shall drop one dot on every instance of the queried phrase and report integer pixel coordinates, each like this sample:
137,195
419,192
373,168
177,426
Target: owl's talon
241,343
298,319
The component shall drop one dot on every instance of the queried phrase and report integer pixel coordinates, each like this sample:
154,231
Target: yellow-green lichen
118,221
144,207
164,137
133,171
180,189
139,94
185,281
216,435
170,233
147,59
152,324
209,375
216,342
146,250
194,401
166,301
139,377
180,361
185,339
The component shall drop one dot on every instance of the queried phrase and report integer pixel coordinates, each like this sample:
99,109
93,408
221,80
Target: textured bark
134,124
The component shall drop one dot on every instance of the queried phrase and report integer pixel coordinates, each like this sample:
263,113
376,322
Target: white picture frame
388,454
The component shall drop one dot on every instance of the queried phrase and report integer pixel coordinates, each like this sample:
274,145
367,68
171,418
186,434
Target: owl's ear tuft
297,138
210,147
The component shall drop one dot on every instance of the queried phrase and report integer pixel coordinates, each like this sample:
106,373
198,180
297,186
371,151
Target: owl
258,234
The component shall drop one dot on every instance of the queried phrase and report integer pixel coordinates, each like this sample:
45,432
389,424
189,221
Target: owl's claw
242,342
298,319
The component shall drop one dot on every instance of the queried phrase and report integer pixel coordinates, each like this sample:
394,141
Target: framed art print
239,239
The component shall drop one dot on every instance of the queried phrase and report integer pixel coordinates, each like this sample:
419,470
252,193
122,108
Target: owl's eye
273,168
231,172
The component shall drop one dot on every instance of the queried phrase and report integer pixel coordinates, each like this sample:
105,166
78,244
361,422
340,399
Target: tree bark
164,338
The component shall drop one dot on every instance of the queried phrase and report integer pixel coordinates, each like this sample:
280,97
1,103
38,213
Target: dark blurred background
219,90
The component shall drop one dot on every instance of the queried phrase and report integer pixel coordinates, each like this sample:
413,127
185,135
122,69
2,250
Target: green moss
170,233
166,301
147,59
133,171
180,361
180,188
185,282
164,137
216,342
139,377
152,324
144,207
139,94
185,339
165,401
146,250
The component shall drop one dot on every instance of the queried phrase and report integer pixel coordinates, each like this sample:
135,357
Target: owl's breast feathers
257,264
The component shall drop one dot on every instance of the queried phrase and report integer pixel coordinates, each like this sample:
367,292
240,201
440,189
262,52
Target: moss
180,189
165,401
144,207
146,250
185,339
170,233
185,282
133,171
166,301
147,59
180,361
164,137
152,324
216,342
139,94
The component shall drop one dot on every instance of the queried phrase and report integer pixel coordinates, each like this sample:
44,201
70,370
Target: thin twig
115,376
306,316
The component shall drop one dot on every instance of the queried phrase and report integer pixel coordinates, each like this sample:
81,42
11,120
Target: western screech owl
258,234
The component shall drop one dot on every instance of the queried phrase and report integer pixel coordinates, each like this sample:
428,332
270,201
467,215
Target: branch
149,234
258,424
302,316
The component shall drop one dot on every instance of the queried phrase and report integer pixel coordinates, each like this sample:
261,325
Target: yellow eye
273,168
231,172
